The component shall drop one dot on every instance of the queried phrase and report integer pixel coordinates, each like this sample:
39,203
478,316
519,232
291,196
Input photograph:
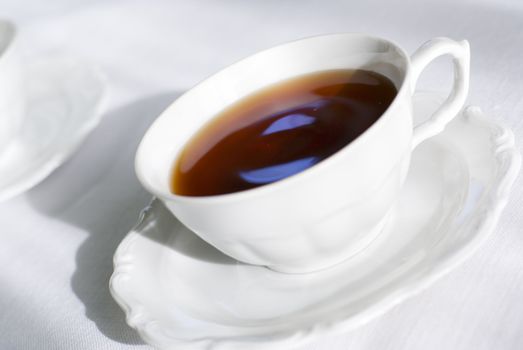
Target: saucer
179,292
63,107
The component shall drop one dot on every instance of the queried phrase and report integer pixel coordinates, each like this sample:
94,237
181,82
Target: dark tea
280,131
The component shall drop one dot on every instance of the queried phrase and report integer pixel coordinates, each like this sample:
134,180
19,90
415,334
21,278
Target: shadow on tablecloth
98,192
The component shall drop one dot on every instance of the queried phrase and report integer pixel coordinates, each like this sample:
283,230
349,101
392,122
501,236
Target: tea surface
280,131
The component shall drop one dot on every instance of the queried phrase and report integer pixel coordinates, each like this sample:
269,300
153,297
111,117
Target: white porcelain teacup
11,97
332,210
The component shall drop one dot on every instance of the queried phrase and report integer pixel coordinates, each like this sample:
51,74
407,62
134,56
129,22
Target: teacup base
344,255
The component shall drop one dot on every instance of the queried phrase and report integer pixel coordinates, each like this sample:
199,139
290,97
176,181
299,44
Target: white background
57,240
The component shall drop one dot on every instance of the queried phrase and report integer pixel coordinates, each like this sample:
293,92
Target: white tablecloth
57,240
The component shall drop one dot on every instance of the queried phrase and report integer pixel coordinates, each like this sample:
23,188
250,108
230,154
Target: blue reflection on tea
277,172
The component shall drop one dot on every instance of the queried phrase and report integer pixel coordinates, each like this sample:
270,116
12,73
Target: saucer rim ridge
507,160
63,149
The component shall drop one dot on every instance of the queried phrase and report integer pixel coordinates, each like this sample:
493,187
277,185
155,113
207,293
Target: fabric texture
57,240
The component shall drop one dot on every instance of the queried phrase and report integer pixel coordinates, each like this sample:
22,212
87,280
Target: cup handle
432,49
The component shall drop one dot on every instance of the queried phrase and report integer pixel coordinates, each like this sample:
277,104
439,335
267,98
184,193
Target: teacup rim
167,195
